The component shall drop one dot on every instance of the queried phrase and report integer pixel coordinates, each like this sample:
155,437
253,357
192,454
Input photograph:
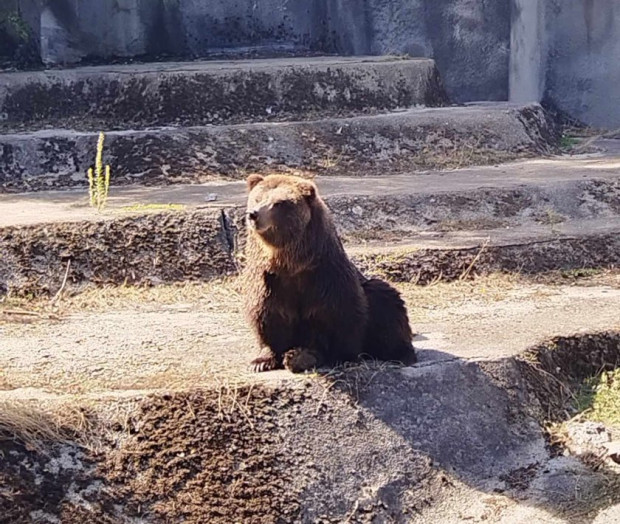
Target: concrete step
530,216
181,246
543,192
414,139
202,93
574,245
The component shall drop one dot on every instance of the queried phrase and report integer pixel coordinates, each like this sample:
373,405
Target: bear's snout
259,219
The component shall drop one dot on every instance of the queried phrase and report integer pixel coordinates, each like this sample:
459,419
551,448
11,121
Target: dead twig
19,312
466,273
58,295
589,141
33,314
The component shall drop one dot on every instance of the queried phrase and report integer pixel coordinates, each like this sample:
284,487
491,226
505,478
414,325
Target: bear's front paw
299,360
265,363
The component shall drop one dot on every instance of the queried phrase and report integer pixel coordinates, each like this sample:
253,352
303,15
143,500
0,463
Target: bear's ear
253,180
308,190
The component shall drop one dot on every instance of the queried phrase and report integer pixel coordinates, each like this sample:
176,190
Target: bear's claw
262,364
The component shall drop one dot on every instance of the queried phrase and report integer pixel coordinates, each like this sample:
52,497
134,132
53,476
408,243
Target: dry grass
580,277
226,294
351,377
374,234
90,422
490,289
550,217
153,207
218,293
35,424
223,293
471,224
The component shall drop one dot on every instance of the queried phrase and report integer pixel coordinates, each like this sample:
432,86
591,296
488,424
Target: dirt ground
135,405
181,458
171,337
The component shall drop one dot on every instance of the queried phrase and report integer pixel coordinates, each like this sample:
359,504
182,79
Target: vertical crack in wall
230,231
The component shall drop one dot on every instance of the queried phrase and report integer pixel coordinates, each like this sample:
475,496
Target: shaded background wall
468,38
582,74
564,51
19,44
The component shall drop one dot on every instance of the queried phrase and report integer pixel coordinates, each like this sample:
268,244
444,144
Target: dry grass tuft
35,425
225,294
88,422
351,377
218,293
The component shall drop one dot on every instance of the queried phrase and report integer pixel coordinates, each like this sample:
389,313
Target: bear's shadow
470,418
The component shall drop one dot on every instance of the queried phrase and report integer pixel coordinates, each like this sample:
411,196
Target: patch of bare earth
188,457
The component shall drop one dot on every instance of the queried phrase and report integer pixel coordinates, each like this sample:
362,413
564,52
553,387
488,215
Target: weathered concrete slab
146,248
365,441
543,191
201,93
530,216
360,146
176,247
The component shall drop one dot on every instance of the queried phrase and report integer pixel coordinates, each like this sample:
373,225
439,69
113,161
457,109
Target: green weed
99,180
568,142
600,396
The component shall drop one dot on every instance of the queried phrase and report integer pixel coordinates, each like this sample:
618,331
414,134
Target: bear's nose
253,215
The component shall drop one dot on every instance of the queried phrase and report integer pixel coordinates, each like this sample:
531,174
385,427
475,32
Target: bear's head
280,207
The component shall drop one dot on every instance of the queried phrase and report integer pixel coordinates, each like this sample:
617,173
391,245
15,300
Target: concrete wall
565,51
469,39
18,42
583,66
528,51
73,29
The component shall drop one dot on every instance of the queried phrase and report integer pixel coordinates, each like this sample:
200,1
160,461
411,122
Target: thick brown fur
308,304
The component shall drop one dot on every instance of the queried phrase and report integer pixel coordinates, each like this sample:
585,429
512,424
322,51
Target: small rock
357,210
613,450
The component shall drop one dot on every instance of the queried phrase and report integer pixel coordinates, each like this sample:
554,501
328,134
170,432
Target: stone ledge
416,139
202,93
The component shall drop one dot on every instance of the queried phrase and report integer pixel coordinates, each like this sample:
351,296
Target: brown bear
307,303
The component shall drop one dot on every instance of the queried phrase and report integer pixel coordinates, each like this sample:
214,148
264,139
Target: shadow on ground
482,422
